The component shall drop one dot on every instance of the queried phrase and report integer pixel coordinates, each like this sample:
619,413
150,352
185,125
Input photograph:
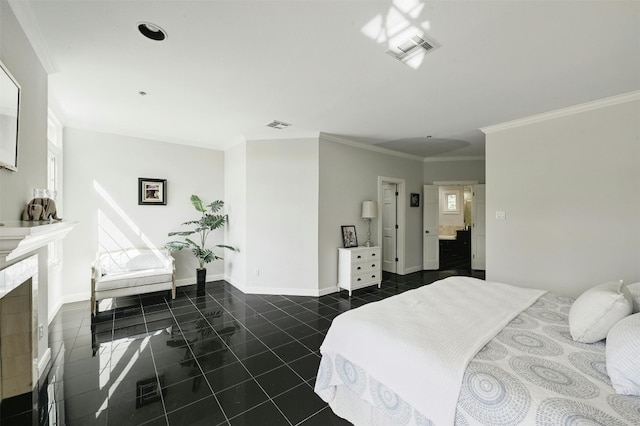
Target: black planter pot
201,279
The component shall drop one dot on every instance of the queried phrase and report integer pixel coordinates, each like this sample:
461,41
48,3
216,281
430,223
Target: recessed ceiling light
152,31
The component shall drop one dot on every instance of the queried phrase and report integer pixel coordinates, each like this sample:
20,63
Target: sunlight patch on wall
111,236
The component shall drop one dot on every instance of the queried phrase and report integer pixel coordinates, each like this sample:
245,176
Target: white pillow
623,349
634,290
597,310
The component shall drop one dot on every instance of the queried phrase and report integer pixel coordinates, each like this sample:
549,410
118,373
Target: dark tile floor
223,358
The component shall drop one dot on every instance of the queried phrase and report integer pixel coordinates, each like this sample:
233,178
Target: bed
469,352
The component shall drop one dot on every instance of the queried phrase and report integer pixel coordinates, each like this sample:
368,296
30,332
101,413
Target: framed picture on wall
349,238
152,191
9,118
415,200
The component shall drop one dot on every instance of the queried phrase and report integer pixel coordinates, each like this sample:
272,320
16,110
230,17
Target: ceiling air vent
278,125
419,43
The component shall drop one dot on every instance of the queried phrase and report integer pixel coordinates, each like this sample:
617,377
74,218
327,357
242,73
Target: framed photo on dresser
349,238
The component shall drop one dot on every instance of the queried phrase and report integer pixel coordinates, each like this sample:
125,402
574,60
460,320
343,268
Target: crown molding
27,20
563,112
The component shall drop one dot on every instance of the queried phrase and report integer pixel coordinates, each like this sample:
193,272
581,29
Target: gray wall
570,187
461,170
101,193
16,188
348,176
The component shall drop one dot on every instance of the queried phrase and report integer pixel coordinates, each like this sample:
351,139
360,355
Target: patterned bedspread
531,373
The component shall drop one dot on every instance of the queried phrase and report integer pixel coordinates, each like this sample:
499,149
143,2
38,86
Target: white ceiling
228,68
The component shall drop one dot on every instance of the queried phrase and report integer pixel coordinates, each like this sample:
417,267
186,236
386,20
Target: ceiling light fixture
408,48
278,125
152,31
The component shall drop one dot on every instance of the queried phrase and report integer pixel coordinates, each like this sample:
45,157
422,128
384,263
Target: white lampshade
369,209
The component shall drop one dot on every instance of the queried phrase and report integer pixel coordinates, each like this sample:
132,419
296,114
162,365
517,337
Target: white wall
101,193
235,190
348,176
570,186
282,217
16,188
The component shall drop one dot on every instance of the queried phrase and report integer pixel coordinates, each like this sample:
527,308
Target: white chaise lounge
131,271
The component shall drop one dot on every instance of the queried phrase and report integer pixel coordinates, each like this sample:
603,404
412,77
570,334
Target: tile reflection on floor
225,358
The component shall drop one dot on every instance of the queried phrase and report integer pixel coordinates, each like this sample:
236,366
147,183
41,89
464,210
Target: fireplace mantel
19,238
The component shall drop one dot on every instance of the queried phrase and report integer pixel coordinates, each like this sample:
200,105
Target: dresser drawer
367,277
364,266
365,255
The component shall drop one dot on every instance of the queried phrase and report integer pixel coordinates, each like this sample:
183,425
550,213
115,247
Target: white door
478,230
430,220
389,226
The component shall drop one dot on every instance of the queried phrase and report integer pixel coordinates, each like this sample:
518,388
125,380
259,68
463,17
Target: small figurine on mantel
40,209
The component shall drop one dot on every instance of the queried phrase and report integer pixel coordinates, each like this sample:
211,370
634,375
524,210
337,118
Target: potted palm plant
209,221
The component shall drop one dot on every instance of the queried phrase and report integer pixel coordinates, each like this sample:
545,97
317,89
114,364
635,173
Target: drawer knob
359,279
373,255
359,257
359,267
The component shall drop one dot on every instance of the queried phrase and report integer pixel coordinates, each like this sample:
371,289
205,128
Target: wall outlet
40,331
501,215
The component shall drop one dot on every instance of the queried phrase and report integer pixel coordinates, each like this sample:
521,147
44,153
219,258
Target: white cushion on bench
133,278
131,271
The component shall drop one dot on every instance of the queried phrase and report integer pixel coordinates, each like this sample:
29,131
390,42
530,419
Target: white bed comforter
419,343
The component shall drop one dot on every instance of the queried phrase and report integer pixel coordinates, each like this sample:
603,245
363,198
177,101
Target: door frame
400,219
393,267
463,183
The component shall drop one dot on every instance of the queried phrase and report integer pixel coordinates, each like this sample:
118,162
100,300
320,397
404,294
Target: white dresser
359,267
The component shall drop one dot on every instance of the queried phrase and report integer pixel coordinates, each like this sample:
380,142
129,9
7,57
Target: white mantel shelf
19,238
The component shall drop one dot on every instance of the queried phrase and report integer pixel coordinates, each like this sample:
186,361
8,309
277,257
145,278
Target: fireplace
18,327
24,349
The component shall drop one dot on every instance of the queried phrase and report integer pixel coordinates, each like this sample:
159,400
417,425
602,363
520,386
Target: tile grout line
196,360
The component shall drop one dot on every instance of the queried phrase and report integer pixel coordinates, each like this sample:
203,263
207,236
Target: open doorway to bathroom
454,229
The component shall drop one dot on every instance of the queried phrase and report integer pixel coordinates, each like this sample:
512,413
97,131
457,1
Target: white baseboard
43,362
77,297
54,311
289,291
235,283
280,291
328,290
185,281
192,280
412,269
